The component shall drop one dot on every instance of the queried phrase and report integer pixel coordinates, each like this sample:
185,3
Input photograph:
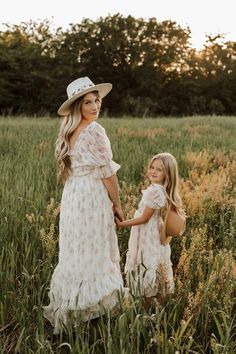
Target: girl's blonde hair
171,183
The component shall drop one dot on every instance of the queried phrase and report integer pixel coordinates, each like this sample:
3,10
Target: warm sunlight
202,17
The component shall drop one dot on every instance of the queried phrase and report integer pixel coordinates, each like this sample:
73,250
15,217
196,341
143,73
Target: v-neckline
79,136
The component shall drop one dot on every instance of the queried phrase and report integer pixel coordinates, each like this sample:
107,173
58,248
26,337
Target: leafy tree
24,67
151,65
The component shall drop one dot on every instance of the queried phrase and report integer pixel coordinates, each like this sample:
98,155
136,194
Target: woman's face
90,106
156,172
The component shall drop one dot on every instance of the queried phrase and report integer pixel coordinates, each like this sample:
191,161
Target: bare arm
112,186
147,213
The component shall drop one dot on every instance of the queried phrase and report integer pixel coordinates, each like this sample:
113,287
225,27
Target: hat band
83,88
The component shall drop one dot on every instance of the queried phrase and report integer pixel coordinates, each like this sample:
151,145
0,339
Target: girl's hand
118,222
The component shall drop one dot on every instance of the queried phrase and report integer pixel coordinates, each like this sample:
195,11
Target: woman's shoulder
96,127
94,139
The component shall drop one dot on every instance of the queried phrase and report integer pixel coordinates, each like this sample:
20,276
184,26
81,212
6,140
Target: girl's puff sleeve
154,197
96,149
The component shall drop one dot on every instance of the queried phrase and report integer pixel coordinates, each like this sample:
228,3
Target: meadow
200,316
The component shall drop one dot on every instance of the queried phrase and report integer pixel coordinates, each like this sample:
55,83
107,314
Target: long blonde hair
68,126
171,184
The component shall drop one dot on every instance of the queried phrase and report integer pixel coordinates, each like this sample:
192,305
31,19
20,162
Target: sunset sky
202,16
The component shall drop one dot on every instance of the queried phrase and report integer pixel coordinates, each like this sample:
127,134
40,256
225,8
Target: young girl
148,266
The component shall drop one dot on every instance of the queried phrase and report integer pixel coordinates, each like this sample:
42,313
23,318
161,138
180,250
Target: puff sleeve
96,151
154,197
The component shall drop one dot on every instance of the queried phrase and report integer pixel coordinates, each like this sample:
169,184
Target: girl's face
156,172
90,106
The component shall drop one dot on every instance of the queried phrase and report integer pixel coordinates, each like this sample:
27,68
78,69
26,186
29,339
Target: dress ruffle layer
149,281
88,297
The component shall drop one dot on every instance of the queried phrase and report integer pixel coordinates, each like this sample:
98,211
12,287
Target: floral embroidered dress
148,266
87,277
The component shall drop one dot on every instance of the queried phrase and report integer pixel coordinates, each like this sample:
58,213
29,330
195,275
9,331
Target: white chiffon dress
148,265
87,278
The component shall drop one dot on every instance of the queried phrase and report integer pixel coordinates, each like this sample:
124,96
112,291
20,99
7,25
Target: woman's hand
118,212
118,222
111,184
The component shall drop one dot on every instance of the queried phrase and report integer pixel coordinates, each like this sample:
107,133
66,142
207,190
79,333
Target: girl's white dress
87,277
148,265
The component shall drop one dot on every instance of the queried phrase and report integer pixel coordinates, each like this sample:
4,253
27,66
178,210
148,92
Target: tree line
153,67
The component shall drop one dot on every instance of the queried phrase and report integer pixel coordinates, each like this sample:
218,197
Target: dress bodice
92,154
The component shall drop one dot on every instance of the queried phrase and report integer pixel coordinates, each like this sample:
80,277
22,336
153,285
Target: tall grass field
200,317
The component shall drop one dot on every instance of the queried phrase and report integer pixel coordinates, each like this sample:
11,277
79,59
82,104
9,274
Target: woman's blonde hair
68,126
171,183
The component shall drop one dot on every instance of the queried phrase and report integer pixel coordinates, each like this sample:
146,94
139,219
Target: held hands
119,215
118,212
118,222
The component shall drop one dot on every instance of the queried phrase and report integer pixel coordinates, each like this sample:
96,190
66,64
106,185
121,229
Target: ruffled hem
150,282
59,317
88,298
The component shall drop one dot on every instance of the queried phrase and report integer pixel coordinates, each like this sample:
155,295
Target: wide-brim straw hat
80,87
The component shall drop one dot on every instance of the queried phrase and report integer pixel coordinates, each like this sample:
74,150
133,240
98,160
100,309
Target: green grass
198,318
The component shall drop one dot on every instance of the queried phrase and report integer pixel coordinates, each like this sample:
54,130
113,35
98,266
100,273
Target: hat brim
103,90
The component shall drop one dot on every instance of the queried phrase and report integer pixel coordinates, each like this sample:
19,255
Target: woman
87,278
